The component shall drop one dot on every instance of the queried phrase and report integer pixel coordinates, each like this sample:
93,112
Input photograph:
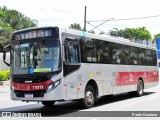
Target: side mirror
5,49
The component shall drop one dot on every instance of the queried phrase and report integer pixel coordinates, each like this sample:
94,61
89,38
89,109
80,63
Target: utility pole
85,14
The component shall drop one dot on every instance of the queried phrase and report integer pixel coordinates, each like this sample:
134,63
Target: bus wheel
140,90
48,103
89,97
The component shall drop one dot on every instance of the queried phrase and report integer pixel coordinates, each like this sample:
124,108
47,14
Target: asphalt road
124,102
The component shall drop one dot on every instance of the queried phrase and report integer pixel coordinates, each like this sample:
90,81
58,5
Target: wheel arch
94,85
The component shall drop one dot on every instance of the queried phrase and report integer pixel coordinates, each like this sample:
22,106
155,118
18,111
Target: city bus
50,64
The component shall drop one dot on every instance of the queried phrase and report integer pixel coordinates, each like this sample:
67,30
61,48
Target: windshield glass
35,57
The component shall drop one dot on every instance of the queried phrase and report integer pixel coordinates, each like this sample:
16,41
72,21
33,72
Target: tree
5,36
15,19
11,20
140,33
75,26
156,36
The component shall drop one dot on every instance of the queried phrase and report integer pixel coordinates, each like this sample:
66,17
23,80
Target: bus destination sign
32,34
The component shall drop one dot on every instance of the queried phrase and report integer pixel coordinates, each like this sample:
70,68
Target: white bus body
90,64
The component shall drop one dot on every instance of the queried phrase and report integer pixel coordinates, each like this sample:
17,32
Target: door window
73,54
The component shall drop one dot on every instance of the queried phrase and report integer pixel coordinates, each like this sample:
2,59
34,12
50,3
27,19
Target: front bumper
53,95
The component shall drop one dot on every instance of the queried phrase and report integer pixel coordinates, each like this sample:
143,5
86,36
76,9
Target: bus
50,64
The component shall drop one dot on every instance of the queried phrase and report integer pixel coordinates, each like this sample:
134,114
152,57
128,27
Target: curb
5,83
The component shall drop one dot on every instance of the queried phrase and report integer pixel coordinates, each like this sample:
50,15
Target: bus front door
72,71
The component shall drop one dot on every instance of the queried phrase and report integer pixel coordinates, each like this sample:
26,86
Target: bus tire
89,97
139,92
48,103
140,89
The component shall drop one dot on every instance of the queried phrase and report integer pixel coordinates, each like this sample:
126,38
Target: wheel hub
89,97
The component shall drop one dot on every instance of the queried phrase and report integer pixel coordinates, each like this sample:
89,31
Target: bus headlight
54,85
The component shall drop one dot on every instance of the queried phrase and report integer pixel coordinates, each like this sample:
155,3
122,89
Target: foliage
11,20
140,33
4,75
5,36
14,19
75,26
156,36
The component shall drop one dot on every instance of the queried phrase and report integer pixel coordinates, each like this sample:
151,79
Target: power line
125,19
93,26
96,27
102,23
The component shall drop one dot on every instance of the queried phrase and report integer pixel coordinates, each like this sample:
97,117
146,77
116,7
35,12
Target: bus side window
134,56
154,57
149,57
73,54
116,53
125,55
113,53
142,56
103,52
89,54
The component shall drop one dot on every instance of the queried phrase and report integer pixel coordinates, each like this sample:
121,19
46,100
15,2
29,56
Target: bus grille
35,93
34,80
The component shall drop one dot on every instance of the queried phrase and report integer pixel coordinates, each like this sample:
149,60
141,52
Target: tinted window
126,55
142,56
103,52
117,56
72,54
133,56
154,57
89,51
149,57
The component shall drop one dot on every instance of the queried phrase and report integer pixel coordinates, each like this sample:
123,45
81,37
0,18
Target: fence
3,66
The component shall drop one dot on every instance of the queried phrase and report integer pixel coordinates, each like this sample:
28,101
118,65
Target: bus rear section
119,66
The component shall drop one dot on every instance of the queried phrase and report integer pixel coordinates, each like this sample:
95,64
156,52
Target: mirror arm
4,58
4,55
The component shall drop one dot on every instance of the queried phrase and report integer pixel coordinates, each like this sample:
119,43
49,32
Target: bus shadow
59,109
69,107
116,98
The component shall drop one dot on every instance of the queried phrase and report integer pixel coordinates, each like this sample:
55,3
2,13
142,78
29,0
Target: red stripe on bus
131,78
31,86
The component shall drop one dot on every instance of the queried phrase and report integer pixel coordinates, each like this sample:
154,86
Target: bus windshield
35,57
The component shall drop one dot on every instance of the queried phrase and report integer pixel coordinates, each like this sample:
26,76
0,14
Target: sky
62,13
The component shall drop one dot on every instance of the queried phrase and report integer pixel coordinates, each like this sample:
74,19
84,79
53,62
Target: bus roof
33,28
109,38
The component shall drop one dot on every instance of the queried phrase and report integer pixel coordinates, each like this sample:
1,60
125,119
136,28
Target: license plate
28,95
